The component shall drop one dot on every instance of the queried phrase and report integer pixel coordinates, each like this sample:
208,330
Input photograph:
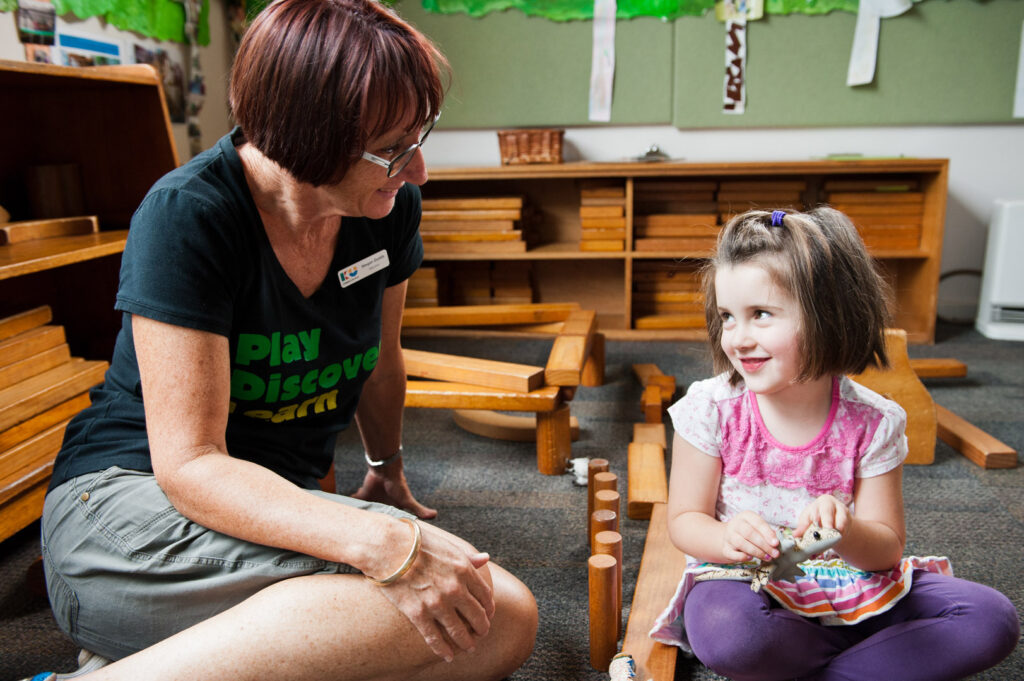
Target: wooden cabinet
73,142
898,204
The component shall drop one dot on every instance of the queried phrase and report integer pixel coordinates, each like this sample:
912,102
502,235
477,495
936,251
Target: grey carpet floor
491,493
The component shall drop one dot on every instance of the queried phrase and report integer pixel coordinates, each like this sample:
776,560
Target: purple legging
945,628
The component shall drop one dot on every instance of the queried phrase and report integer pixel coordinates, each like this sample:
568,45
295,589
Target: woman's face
366,190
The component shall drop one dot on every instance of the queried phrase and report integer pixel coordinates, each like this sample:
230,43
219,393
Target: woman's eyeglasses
399,162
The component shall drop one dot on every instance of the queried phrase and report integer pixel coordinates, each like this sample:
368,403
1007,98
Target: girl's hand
749,536
447,595
826,512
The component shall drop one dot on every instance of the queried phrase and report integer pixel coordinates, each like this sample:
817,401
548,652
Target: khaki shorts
125,570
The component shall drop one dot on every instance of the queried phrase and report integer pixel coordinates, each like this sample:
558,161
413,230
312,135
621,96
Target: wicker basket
543,145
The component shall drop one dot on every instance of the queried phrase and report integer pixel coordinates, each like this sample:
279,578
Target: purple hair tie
777,216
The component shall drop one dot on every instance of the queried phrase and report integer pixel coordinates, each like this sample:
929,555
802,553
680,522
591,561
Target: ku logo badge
364,268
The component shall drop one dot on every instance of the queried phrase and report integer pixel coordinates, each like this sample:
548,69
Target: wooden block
594,466
28,398
40,422
569,353
602,520
432,226
935,367
974,443
651,404
650,432
440,250
596,191
24,321
485,372
602,234
605,480
36,364
603,628
677,232
602,223
728,186
30,343
670,321
593,368
499,426
704,222
606,500
609,211
488,315
900,384
610,544
23,509
661,568
474,203
29,230
553,440
446,395
603,201
29,461
886,198
647,480
464,236
486,214
856,211
701,244
650,374
603,245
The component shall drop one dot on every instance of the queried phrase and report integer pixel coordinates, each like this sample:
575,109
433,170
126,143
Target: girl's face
760,327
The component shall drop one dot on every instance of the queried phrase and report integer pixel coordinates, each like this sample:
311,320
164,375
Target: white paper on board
602,64
734,87
1018,95
864,53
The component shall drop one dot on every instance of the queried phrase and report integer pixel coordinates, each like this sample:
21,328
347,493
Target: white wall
986,163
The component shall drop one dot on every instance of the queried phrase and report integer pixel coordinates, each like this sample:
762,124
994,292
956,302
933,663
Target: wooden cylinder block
606,499
606,480
601,521
594,467
603,617
610,544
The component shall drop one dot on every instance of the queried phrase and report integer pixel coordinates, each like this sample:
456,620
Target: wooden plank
670,321
650,432
696,243
30,461
900,384
23,509
36,364
496,214
661,568
938,367
444,395
603,223
458,236
650,374
30,343
29,230
439,251
466,226
652,404
474,203
603,245
25,321
484,372
648,482
40,422
588,234
499,426
28,398
566,360
609,211
488,315
974,443
580,323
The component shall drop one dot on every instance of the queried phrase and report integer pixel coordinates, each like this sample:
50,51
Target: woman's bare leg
336,627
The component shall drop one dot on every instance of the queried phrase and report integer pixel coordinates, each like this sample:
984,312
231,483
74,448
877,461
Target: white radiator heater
1001,307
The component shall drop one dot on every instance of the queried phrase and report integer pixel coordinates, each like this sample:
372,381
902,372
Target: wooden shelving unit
107,128
605,281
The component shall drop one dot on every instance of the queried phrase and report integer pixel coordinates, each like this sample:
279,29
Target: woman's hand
447,594
387,485
748,536
826,512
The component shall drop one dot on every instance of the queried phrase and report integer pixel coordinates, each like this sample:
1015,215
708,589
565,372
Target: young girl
781,438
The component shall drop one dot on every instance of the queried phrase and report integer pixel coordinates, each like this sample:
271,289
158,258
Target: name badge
364,268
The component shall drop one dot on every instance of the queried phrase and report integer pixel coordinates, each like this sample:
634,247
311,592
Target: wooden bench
479,388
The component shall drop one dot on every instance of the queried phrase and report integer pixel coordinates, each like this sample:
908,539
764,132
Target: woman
262,288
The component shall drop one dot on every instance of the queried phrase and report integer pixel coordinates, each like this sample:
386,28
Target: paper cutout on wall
864,53
752,10
602,63
160,19
1018,95
734,98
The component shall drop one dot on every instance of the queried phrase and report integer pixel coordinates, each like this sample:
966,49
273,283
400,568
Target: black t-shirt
197,256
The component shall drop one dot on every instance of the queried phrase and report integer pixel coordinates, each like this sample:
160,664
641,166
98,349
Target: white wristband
383,462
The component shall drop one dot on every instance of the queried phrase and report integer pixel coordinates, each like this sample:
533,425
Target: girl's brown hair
820,260
313,80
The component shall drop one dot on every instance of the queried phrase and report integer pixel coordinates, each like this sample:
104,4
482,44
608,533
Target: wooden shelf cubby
908,247
107,130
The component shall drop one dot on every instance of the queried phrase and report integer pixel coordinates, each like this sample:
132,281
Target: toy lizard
792,552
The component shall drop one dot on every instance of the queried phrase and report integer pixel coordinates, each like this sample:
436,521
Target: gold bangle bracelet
409,560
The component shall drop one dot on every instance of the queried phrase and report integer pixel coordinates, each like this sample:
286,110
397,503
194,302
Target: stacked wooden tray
478,225
888,212
667,295
602,217
675,215
738,196
41,387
